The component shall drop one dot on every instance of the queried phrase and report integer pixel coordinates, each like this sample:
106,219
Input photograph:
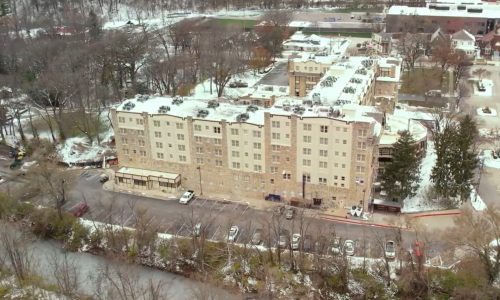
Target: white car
295,241
349,247
390,249
233,234
197,229
186,197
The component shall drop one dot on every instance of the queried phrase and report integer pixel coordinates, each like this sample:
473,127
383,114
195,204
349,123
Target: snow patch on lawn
488,88
476,200
480,112
78,149
421,202
489,161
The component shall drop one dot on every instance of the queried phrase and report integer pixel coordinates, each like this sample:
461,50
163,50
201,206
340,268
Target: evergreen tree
442,172
466,157
402,174
4,8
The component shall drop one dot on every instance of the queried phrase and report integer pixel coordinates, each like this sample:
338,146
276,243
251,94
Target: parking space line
222,207
215,233
204,202
243,212
180,229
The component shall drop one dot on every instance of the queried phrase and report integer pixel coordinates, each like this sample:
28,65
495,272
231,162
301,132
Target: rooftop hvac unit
242,117
213,104
177,101
202,113
163,109
297,109
128,105
142,98
252,108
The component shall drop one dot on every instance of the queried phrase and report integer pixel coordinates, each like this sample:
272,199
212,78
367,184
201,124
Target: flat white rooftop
481,11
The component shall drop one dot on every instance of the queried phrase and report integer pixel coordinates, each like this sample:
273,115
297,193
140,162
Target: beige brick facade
335,157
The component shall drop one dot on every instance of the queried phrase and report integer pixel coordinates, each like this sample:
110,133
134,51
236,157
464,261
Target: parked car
349,247
233,233
257,237
307,243
103,178
80,209
238,84
284,239
197,229
278,211
295,241
356,211
390,249
290,211
186,197
336,245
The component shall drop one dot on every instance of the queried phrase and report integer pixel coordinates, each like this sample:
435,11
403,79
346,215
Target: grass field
422,80
238,22
360,9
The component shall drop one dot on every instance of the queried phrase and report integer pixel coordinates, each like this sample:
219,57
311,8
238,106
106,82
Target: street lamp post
199,173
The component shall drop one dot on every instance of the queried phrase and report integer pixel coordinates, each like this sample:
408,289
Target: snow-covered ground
421,201
489,161
78,149
488,86
476,200
202,90
480,112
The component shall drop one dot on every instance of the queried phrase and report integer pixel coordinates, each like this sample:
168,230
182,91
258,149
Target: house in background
490,44
466,42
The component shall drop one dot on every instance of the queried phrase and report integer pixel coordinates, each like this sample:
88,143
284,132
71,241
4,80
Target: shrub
79,236
48,224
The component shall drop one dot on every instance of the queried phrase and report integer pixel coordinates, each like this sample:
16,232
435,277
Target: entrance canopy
149,178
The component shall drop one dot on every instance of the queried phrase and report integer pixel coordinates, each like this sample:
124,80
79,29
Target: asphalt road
217,217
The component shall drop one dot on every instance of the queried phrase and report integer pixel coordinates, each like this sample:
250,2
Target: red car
80,209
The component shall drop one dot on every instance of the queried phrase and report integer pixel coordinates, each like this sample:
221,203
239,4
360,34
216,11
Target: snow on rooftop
481,10
397,123
231,112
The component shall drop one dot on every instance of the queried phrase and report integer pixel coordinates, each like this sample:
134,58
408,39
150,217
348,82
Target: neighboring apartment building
245,151
388,76
382,42
303,75
475,16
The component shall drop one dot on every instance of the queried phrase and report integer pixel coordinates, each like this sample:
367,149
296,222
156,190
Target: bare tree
411,46
66,274
15,251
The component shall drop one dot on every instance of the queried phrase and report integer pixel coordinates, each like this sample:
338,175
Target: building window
306,151
218,163
142,153
235,143
235,154
124,140
218,152
217,141
306,162
274,170
275,148
307,138
360,169
257,156
323,128
139,121
256,134
257,145
275,136
275,124
180,136
199,150
307,127
344,154
199,160
323,153
360,157
362,145
197,127
198,139
182,158
323,164
179,125
362,132
322,180
216,129
342,178
159,145
157,134
159,155
236,165
234,131
287,176
257,168
181,147
344,142
275,159
125,151
343,166
121,120
345,129
323,141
